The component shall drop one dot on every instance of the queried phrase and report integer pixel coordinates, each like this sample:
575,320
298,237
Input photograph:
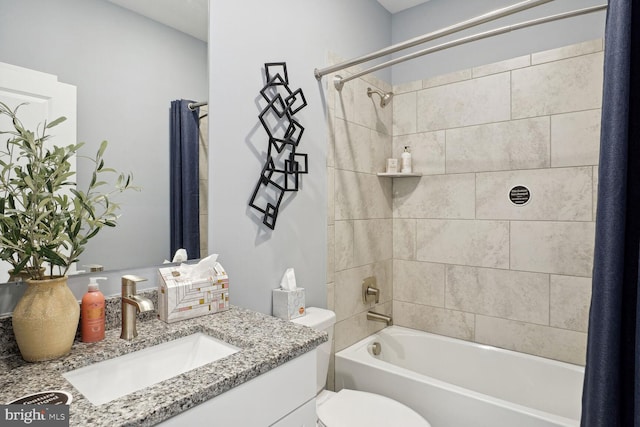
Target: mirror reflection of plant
45,220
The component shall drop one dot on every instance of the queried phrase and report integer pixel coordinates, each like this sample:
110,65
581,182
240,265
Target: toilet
351,408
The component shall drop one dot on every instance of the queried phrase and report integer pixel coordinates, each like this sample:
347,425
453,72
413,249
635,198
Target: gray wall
436,14
300,33
127,69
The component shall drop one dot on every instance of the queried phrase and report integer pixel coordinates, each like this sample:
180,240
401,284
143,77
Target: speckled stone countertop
266,342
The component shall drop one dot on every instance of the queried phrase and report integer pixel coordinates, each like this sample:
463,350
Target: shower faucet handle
369,288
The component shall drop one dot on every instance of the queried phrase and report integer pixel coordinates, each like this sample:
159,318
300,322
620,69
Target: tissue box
288,304
181,298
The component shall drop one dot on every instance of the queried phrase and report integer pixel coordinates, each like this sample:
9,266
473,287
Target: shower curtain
184,179
611,394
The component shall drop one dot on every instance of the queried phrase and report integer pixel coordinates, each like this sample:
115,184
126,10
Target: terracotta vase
45,320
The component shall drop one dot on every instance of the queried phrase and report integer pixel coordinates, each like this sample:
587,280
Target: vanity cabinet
281,397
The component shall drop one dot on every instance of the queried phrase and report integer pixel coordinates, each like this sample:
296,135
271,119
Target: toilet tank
323,320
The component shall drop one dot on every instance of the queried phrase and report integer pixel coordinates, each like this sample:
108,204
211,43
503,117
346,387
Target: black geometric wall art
284,164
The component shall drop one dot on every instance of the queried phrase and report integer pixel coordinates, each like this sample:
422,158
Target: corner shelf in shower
400,175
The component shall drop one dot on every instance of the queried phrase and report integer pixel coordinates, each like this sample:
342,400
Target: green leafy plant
45,219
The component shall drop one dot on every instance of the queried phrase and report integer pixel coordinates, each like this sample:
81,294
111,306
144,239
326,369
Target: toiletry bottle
406,160
92,312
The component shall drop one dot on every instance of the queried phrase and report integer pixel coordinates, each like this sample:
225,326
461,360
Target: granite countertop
266,342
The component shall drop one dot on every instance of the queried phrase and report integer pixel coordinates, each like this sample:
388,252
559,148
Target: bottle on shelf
406,160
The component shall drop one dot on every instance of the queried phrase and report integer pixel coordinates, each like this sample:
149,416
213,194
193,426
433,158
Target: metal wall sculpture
284,164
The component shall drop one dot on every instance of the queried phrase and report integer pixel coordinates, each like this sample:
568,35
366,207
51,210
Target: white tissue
204,269
180,256
288,282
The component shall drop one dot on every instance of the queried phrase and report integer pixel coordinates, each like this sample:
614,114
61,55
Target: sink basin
105,381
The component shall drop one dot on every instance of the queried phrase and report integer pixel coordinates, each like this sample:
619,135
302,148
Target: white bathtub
455,383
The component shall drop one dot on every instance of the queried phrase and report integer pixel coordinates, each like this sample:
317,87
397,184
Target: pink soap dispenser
92,315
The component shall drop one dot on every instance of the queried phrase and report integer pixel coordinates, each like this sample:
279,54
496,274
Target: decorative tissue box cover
181,298
288,304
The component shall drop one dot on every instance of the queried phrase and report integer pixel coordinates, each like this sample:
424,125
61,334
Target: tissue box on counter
185,292
288,304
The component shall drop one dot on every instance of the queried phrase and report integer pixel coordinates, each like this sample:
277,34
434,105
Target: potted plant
45,224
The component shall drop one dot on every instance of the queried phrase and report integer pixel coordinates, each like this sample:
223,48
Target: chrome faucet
372,315
131,305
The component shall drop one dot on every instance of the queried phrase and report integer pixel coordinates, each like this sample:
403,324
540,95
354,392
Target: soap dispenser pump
93,312
406,160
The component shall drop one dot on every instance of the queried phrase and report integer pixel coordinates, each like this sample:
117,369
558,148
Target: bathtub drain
376,348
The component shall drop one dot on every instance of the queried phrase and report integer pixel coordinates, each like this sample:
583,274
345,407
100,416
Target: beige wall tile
556,194
331,252
557,87
463,242
502,66
383,272
331,197
404,113
331,289
427,151
353,105
407,87
331,119
553,247
471,102
344,252
437,320
570,302
578,49
404,239
373,240
456,76
381,149
436,196
518,144
575,138
348,291
418,282
507,294
362,196
352,147
559,344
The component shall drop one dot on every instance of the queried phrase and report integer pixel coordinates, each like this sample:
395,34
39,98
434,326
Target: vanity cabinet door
267,400
304,416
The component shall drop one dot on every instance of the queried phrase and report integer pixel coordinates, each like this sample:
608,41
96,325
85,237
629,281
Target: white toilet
351,408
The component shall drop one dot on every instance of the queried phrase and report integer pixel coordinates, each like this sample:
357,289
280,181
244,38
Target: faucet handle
129,283
132,278
369,287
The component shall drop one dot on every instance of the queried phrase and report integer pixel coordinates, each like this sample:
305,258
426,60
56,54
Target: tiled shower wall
450,252
360,219
467,262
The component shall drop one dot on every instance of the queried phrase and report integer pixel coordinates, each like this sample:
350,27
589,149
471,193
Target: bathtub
455,383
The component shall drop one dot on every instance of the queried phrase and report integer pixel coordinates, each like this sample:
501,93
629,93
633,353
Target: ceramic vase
45,320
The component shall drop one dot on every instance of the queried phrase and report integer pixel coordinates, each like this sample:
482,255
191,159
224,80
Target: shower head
385,98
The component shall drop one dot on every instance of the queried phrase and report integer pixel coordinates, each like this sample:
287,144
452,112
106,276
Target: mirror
127,69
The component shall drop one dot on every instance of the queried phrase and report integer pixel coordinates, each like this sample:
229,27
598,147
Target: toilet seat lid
351,408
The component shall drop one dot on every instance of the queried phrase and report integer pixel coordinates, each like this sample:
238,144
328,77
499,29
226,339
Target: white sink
105,381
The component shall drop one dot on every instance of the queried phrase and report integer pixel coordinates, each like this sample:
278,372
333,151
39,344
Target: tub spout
372,315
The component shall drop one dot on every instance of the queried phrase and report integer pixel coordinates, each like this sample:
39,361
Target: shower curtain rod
481,19
194,105
340,81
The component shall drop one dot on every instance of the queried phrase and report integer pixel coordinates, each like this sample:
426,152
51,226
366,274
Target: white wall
127,69
244,35
436,14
